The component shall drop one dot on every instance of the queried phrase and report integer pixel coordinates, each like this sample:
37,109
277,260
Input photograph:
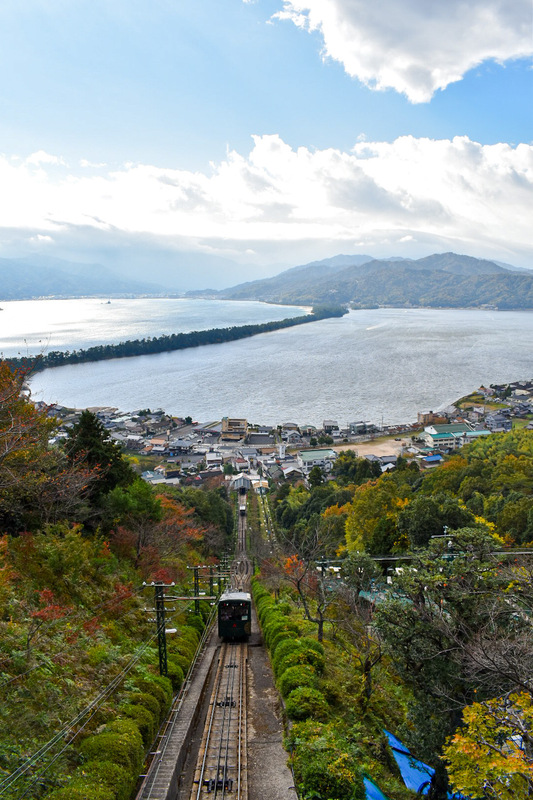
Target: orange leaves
51,610
294,566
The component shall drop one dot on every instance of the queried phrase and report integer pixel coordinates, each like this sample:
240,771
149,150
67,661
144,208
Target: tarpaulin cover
372,791
415,774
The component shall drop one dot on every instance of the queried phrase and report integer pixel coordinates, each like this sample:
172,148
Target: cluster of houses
183,451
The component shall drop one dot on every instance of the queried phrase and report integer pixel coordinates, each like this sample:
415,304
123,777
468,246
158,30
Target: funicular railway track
220,764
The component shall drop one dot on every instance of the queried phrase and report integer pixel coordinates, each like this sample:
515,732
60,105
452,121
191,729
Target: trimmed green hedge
305,702
294,677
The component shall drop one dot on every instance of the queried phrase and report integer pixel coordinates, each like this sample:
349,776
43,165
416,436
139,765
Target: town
174,450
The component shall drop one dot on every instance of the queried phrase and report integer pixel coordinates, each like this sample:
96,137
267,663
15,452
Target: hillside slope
444,279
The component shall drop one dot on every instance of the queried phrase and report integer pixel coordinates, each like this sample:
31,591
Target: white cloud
415,46
474,197
41,157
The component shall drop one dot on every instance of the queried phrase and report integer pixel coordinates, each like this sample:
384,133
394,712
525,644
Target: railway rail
221,766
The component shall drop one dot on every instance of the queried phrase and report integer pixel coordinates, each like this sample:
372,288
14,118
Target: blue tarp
373,792
415,774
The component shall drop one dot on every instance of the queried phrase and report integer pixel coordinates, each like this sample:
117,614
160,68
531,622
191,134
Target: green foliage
283,649
161,693
305,702
143,718
325,764
121,743
146,700
106,775
296,676
79,789
89,441
175,673
349,469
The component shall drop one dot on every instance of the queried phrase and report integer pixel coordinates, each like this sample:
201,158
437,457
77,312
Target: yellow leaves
487,757
336,510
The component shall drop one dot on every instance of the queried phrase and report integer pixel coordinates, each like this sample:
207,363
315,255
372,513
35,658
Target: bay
381,365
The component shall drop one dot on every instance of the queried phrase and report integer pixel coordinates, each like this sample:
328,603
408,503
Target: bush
282,636
175,673
294,677
323,772
195,621
273,627
105,774
120,743
158,687
146,700
301,655
181,660
309,642
305,702
190,635
282,650
144,720
79,790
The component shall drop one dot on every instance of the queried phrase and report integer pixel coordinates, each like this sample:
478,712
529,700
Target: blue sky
264,134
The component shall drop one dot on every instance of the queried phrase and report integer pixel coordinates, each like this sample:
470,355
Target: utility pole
159,590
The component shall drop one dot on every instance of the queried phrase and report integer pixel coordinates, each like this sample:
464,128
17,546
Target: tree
310,579
89,442
316,477
38,484
492,754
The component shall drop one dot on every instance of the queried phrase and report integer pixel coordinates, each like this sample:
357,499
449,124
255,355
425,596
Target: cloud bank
475,198
415,47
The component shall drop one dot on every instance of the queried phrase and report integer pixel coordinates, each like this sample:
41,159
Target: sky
208,142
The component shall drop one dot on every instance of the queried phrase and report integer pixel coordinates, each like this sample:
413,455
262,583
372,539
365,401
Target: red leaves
50,610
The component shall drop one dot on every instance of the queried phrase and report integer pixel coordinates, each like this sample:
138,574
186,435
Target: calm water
29,327
383,364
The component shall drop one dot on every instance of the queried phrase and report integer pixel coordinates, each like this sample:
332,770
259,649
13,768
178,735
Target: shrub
79,790
165,684
161,691
300,655
294,677
99,654
105,774
305,702
146,700
272,627
283,649
181,660
282,636
190,635
175,673
309,642
321,771
120,742
195,621
143,718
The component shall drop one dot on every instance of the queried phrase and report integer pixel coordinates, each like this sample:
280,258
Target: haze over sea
380,365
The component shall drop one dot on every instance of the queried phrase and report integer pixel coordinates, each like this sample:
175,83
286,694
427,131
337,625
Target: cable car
234,615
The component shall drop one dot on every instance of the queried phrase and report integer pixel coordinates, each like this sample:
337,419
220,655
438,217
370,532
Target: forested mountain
23,279
440,280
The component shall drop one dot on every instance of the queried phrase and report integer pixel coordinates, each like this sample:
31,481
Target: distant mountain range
27,278
440,280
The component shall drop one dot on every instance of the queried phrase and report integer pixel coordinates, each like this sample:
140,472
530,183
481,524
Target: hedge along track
221,766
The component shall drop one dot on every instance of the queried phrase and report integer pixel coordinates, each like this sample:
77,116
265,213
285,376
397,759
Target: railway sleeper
219,784
228,701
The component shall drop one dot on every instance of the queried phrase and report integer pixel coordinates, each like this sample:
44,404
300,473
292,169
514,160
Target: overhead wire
94,705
